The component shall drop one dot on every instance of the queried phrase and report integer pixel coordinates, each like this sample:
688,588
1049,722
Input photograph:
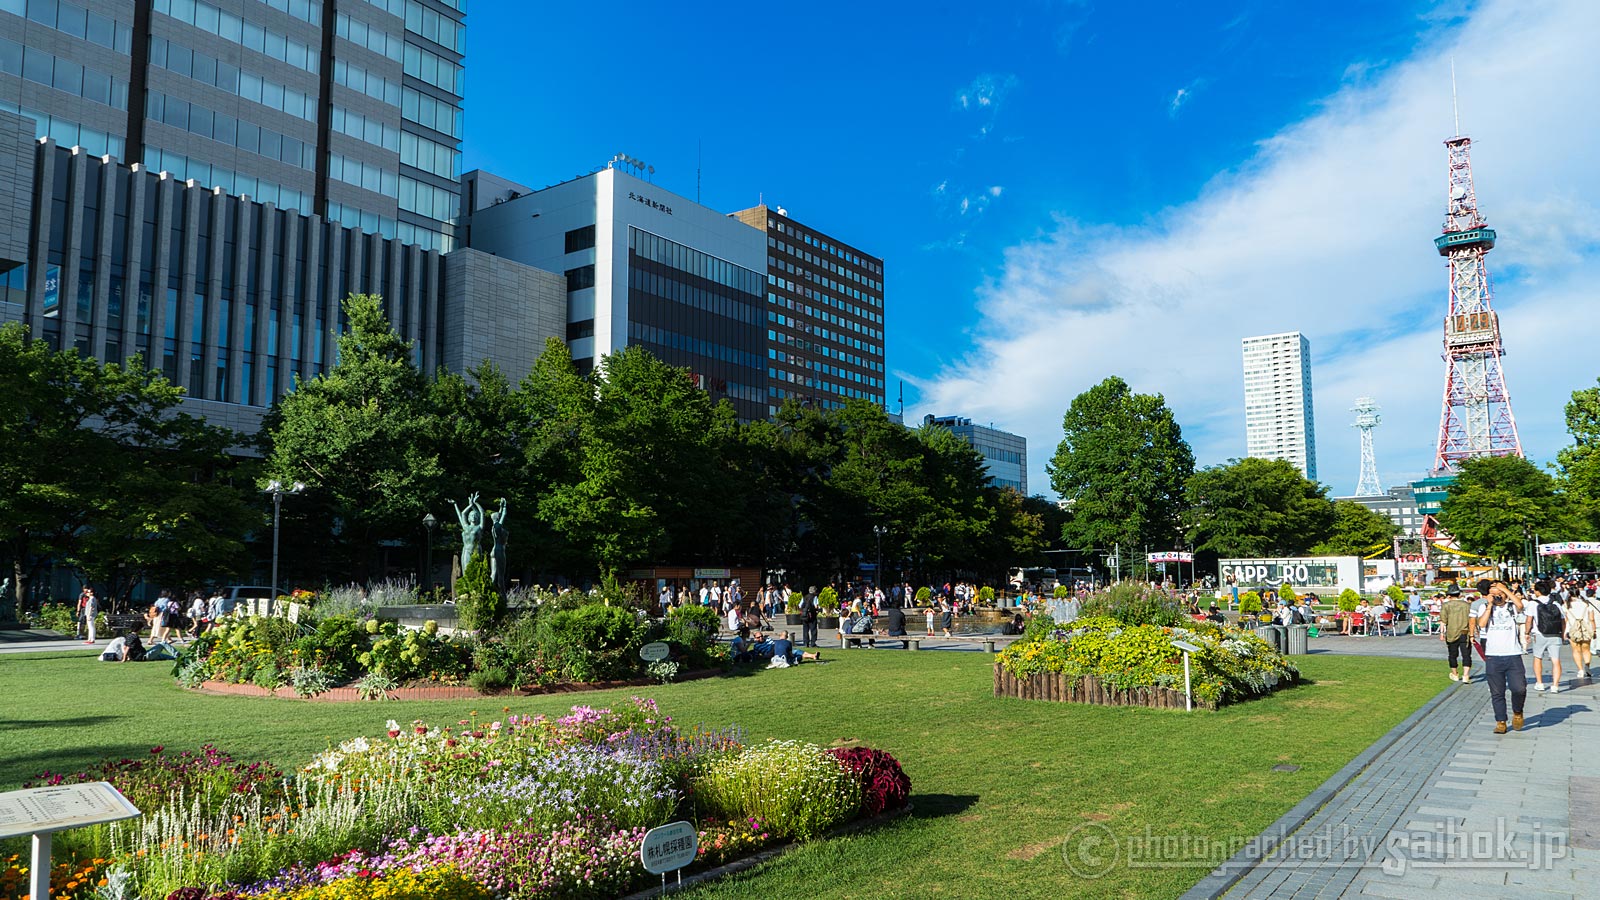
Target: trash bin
1298,640
1269,633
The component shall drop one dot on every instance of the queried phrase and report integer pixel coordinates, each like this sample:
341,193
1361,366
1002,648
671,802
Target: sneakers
1499,728
1516,721
1453,676
1555,688
1537,686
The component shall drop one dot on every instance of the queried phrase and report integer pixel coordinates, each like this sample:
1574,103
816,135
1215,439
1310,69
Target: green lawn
997,783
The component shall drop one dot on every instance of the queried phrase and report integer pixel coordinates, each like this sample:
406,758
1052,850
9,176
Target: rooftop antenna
697,144
1455,107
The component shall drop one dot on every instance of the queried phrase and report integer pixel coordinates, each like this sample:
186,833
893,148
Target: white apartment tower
1278,418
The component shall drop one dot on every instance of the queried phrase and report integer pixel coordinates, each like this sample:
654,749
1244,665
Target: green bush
405,655
1396,594
1061,592
490,679
592,643
792,605
336,646
828,600
693,628
923,595
986,595
477,602
1348,600
1250,602
796,789
1136,603
1286,592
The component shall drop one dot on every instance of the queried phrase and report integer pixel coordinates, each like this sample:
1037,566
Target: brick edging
1225,876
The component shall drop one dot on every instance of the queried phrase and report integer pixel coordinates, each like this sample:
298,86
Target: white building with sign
1321,575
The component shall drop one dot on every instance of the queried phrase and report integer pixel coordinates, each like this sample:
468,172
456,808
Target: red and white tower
1477,419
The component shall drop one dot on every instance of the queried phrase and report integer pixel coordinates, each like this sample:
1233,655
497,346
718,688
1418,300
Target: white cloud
1327,229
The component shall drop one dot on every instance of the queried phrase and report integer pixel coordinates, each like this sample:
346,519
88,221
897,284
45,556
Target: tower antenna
1476,419
1455,106
1367,418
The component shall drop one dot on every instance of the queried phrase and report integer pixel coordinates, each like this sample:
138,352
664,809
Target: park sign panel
655,651
1305,573
48,809
669,847
1570,548
1169,557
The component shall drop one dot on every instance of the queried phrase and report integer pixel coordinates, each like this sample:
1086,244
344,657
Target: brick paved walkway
1453,810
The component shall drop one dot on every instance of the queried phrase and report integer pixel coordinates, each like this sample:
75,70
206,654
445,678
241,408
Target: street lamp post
277,489
878,531
429,522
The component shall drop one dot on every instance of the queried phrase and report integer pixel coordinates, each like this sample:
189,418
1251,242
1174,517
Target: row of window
692,261
366,220
431,112
818,384
650,334
175,57
818,261
677,291
304,10
440,237
442,30
373,131
72,19
430,156
371,37
834,302
364,175
249,35
820,297
839,287
816,313
62,74
226,129
435,70
824,368
370,83
68,133
825,246
395,8
835,353
782,338
231,182
428,200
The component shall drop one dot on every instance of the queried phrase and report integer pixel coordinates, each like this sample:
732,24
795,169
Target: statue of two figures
472,518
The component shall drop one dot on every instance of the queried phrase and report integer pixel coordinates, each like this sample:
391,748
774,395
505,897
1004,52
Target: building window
580,278
580,239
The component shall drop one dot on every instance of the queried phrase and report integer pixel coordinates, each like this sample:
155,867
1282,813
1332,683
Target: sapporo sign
1308,573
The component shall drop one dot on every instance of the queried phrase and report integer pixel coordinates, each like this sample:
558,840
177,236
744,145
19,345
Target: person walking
83,600
89,606
1499,624
1545,625
1456,617
808,619
1581,627
948,619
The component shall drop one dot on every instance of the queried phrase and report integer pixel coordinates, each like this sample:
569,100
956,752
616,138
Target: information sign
49,809
655,651
668,847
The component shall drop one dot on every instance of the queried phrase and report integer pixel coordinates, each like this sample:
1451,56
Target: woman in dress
1580,630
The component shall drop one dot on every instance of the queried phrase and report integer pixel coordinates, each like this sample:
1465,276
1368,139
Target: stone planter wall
1086,689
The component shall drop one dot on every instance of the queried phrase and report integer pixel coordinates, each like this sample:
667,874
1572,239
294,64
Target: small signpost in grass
41,812
668,848
1188,696
655,651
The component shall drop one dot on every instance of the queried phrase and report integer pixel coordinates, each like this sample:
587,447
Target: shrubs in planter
791,609
591,643
1349,600
1137,603
1250,603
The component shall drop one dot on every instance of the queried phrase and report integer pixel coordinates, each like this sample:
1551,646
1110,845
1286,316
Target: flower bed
521,807
425,691
1101,660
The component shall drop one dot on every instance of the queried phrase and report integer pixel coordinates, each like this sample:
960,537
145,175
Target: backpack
1549,619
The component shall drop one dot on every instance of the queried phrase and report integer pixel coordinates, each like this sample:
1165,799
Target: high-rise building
1005,455
349,112
1399,504
824,314
1278,416
643,266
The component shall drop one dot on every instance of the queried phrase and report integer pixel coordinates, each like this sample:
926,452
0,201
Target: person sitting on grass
785,655
128,648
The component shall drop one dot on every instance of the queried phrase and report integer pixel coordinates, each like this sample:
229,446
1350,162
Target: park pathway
1442,807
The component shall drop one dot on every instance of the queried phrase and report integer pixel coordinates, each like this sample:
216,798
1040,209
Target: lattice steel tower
1476,419
1367,418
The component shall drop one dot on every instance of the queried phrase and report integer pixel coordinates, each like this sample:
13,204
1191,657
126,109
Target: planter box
793,619
827,623
1088,689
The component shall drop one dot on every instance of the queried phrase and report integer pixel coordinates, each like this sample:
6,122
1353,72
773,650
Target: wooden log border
1059,688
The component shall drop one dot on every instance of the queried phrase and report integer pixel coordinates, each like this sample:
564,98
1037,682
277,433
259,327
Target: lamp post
277,489
878,531
429,523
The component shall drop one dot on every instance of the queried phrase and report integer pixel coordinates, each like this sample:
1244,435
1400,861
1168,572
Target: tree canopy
1356,531
1498,504
1257,507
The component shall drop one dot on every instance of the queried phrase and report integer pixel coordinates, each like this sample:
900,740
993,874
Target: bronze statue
497,556
471,519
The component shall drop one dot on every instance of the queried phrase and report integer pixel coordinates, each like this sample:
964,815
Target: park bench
909,641
987,640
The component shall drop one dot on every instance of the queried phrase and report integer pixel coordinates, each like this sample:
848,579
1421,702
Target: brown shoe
1499,728
1516,721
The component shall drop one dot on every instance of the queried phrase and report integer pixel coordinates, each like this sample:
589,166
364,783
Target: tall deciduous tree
362,436
1121,468
1580,463
1257,507
1499,503
1357,531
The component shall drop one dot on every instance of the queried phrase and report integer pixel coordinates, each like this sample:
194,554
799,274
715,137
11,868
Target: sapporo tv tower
1476,419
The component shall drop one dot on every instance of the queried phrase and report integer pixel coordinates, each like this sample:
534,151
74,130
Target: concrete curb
1224,877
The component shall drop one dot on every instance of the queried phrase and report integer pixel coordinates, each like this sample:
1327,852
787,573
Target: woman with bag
1580,630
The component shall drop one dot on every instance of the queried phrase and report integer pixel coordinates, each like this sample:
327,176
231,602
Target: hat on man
1454,590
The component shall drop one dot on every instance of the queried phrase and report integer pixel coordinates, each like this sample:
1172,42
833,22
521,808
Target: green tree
104,473
362,436
1357,531
1121,468
1579,464
1256,507
1499,503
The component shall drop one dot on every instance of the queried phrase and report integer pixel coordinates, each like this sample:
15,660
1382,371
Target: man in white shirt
1499,625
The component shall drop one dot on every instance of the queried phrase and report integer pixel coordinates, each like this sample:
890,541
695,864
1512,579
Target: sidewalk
1449,809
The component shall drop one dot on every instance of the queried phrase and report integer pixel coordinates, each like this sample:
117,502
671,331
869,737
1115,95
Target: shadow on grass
937,806
76,760
75,722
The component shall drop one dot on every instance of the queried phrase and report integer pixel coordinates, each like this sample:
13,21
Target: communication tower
1367,418
1476,419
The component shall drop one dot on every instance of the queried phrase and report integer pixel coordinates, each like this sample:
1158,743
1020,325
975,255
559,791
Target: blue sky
1067,190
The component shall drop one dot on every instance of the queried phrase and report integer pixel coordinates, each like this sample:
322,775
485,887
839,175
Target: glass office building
1005,455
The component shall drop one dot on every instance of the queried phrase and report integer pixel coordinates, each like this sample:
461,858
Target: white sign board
669,847
294,613
654,651
1318,574
1573,548
1170,557
50,809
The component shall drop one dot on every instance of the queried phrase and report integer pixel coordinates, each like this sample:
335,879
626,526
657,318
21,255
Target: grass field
997,784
